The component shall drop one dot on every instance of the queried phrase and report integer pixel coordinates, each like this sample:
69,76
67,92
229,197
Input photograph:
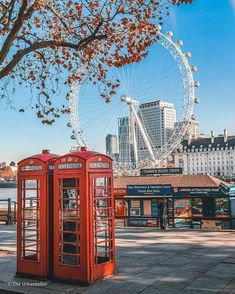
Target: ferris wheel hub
129,100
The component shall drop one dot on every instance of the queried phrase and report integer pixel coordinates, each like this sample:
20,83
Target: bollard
9,216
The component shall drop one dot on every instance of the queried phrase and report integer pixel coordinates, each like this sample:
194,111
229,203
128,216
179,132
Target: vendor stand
147,204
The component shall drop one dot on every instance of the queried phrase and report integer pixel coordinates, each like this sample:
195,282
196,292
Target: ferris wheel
136,113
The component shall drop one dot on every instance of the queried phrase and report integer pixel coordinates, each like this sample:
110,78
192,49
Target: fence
8,211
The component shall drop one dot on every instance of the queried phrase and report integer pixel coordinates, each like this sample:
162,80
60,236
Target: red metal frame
33,224
78,243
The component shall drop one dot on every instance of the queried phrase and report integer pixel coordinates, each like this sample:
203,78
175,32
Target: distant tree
7,173
41,39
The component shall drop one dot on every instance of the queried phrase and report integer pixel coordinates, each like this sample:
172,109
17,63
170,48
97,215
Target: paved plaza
148,261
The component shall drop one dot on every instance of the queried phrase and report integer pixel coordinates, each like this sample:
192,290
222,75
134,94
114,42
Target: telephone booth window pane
30,229
69,221
103,239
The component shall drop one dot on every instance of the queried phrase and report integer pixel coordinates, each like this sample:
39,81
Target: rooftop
194,181
207,143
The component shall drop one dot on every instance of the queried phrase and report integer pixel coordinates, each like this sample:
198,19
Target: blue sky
208,31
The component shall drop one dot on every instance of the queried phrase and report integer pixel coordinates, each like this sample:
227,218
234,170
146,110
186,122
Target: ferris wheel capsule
170,34
193,117
196,84
196,101
188,54
69,125
193,68
159,27
73,137
180,43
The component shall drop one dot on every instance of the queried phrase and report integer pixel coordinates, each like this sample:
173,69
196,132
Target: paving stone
207,284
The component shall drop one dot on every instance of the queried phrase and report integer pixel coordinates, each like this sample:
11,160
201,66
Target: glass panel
32,225
32,203
30,184
69,193
104,181
69,226
70,182
30,193
69,215
70,204
30,214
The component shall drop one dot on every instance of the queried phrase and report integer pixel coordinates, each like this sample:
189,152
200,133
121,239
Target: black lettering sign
31,168
69,165
161,171
99,165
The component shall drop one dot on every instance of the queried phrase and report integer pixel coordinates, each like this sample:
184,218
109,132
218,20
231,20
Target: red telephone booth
83,217
34,222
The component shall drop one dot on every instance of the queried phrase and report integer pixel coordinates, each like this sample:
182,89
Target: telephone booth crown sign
83,216
35,194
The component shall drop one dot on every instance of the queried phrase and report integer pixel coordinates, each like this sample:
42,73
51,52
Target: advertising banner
197,207
182,208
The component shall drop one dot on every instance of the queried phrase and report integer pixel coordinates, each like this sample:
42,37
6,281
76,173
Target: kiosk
34,215
83,217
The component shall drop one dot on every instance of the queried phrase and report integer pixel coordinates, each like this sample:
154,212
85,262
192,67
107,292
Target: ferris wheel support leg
133,135
144,136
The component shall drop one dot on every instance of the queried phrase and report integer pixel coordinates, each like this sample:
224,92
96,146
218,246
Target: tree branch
16,27
46,44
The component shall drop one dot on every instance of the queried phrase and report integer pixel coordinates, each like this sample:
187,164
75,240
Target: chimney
212,137
83,148
45,151
225,135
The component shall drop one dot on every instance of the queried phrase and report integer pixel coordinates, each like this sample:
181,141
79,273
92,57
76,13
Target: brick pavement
148,261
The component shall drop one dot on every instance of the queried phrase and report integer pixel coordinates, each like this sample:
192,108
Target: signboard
224,188
161,171
144,190
31,168
196,191
120,191
99,165
69,165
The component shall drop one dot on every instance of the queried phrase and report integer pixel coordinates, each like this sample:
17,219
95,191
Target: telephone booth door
69,227
102,249
29,232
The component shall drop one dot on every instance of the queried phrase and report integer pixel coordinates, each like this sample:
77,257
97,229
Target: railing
8,211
